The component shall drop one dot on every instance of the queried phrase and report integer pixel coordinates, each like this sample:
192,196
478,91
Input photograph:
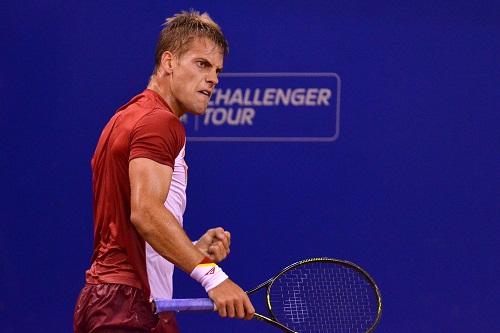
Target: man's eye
201,64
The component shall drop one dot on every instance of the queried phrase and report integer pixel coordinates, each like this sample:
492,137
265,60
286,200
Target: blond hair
179,30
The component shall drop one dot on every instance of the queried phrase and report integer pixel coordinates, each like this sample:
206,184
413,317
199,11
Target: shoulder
164,121
158,135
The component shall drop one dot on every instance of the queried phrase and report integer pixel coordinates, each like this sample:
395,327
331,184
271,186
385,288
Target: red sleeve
158,136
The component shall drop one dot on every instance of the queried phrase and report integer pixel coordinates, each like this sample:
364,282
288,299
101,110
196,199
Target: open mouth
205,92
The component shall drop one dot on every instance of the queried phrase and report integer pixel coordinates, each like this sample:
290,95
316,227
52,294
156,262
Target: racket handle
189,304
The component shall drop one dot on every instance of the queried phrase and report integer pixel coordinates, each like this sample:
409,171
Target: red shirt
144,127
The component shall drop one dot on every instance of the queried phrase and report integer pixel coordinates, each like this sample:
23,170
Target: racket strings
322,297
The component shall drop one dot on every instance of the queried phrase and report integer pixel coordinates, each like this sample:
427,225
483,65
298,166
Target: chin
198,111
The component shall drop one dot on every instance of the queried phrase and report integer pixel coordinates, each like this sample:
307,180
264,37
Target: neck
163,89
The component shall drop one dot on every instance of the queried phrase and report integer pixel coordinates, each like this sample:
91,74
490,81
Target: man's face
194,76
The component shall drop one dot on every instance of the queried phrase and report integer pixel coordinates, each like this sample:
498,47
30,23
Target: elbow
139,219
135,218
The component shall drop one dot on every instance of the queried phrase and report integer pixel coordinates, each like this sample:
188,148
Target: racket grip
189,304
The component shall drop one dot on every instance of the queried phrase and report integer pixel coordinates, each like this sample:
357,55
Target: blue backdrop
408,189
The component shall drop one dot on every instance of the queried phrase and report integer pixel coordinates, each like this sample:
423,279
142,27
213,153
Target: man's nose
213,78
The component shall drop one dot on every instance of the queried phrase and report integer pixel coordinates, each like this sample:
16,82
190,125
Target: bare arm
149,184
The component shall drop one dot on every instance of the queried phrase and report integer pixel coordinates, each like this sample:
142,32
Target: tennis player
139,185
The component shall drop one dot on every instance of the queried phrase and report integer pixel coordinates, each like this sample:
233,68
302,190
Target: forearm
149,185
160,229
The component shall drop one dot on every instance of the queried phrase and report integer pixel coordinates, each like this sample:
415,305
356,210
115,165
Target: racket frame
269,283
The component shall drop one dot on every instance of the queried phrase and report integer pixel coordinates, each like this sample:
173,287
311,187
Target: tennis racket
314,295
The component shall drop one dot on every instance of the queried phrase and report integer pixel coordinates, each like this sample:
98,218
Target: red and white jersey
145,127
160,271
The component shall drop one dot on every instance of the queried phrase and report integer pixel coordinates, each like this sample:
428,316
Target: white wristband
209,275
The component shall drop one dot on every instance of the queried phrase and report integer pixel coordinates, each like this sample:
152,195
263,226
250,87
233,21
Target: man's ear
167,62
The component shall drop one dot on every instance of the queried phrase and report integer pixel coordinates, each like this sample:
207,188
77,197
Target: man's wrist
208,274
